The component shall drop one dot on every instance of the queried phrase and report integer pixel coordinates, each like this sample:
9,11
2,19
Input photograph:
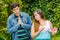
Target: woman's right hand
41,28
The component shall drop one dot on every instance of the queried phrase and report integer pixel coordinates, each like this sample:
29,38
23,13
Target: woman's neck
42,22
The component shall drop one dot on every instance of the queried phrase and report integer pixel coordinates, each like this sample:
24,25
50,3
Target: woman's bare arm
34,34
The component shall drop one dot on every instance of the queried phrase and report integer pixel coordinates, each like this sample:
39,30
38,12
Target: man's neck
17,14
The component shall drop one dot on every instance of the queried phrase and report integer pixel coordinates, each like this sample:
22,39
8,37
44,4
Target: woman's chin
37,20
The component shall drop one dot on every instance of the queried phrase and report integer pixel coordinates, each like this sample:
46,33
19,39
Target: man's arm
29,23
11,28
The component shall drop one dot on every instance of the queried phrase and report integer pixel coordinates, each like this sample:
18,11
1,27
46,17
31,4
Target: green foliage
5,11
50,8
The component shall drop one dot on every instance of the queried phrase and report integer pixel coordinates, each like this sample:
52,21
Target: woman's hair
36,23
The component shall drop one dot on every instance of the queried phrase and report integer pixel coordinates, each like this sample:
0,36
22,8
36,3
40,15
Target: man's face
16,10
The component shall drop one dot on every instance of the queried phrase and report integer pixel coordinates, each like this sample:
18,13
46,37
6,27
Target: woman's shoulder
48,21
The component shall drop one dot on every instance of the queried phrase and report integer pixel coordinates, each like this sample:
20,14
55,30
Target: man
19,24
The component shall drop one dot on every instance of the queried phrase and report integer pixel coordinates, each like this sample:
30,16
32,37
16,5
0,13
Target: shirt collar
20,14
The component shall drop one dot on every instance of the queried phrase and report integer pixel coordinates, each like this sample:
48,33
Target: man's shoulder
24,14
11,16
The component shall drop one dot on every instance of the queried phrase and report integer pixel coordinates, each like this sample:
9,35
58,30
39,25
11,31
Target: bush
51,9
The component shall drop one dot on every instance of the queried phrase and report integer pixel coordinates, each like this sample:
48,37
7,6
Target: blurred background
51,9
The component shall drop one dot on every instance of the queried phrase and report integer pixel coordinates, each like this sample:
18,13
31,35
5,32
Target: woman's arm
52,30
51,25
33,33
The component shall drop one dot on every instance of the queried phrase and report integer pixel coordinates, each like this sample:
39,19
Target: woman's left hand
53,30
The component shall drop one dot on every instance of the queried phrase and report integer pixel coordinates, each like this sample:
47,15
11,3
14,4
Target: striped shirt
21,34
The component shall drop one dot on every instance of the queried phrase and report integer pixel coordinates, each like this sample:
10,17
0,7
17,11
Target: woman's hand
41,28
53,30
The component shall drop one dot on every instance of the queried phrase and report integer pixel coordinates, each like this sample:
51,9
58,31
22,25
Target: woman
41,27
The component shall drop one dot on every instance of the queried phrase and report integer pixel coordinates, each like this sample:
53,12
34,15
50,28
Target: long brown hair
36,23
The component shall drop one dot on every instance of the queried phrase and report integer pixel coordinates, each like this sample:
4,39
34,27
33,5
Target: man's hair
13,5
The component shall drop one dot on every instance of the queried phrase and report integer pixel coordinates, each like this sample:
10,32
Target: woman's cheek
37,19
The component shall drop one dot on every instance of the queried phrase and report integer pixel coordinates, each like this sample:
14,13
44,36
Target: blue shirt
45,33
12,25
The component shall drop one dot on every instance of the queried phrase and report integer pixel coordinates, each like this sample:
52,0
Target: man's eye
35,15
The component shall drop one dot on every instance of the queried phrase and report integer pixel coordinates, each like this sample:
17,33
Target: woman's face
37,16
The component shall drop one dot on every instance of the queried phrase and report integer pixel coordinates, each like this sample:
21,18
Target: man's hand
19,21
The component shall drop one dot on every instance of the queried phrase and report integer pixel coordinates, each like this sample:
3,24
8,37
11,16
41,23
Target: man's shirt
13,26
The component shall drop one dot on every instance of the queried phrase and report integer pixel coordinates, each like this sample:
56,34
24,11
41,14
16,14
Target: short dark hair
13,5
